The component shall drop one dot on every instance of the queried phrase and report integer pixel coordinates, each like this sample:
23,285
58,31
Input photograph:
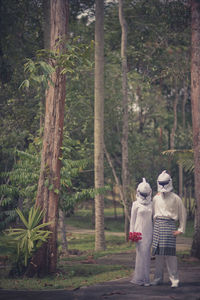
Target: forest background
159,101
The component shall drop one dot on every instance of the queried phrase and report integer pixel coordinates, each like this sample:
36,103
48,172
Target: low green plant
27,240
76,270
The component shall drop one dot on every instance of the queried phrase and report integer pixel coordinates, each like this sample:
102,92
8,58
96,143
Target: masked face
144,192
164,182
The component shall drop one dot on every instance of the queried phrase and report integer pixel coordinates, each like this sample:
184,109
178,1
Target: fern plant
183,157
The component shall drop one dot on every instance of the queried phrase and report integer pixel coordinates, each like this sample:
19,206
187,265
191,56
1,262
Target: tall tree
195,98
124,141
45,260
99,124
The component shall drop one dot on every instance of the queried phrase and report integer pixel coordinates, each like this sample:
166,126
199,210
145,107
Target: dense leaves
158,74
30,238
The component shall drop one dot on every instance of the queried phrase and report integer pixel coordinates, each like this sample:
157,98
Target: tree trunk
185,96
114,204
172,135
46,41
118,184
45,260
63,232
190,201
195,99
99,125
180,171
124,141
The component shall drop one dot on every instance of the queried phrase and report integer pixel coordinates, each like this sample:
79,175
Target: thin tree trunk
99,125
183,124
180,169
190,199
45,261
124,141
160,139
195,99
172,135
63,232
185,96
114,204
186,197
93,214
117,182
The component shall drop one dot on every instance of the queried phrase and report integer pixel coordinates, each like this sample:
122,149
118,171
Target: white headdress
164,182
144,192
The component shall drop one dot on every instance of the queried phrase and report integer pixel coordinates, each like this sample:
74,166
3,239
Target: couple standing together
160,235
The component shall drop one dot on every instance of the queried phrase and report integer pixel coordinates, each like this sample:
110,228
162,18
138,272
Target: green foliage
158,69
158,66
183,157
74,184
22,180
27,240
20,185
39,71
21,37
39,74
83,219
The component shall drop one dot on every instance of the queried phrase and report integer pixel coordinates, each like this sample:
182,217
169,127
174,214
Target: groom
168,208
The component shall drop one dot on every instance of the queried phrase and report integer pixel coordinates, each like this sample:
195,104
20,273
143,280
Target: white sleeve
133,216
182,216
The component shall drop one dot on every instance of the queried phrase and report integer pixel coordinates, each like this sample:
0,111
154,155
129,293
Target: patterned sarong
164,242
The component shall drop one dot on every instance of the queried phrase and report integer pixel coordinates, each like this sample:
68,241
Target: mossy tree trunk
45,260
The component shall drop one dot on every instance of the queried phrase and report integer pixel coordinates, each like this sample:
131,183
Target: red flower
135,236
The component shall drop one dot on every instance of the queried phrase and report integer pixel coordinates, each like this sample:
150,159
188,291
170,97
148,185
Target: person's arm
133,216
182,216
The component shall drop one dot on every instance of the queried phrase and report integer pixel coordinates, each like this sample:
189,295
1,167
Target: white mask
144,192
164,182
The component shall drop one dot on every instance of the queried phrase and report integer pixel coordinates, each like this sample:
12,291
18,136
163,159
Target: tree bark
195,99
124,141
180,172
117,183
46,41
99,125
172,135
114,204
63,232
47,198
185,96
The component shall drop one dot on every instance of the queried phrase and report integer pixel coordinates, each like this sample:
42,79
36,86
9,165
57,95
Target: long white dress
141,221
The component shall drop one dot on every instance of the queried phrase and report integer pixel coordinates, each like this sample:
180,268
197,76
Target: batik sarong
164,242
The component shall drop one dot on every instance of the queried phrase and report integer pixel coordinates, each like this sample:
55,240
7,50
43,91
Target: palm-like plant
185,157
30,238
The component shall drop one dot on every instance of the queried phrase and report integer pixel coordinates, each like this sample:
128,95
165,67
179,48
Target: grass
83,219
81,269
77,270
189,229
86,242
69,277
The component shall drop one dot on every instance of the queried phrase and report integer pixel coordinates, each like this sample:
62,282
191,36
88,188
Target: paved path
122,289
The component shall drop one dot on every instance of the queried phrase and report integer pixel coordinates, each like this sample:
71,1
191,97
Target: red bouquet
135,236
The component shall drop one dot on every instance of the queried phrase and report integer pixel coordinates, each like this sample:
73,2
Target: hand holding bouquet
135,236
